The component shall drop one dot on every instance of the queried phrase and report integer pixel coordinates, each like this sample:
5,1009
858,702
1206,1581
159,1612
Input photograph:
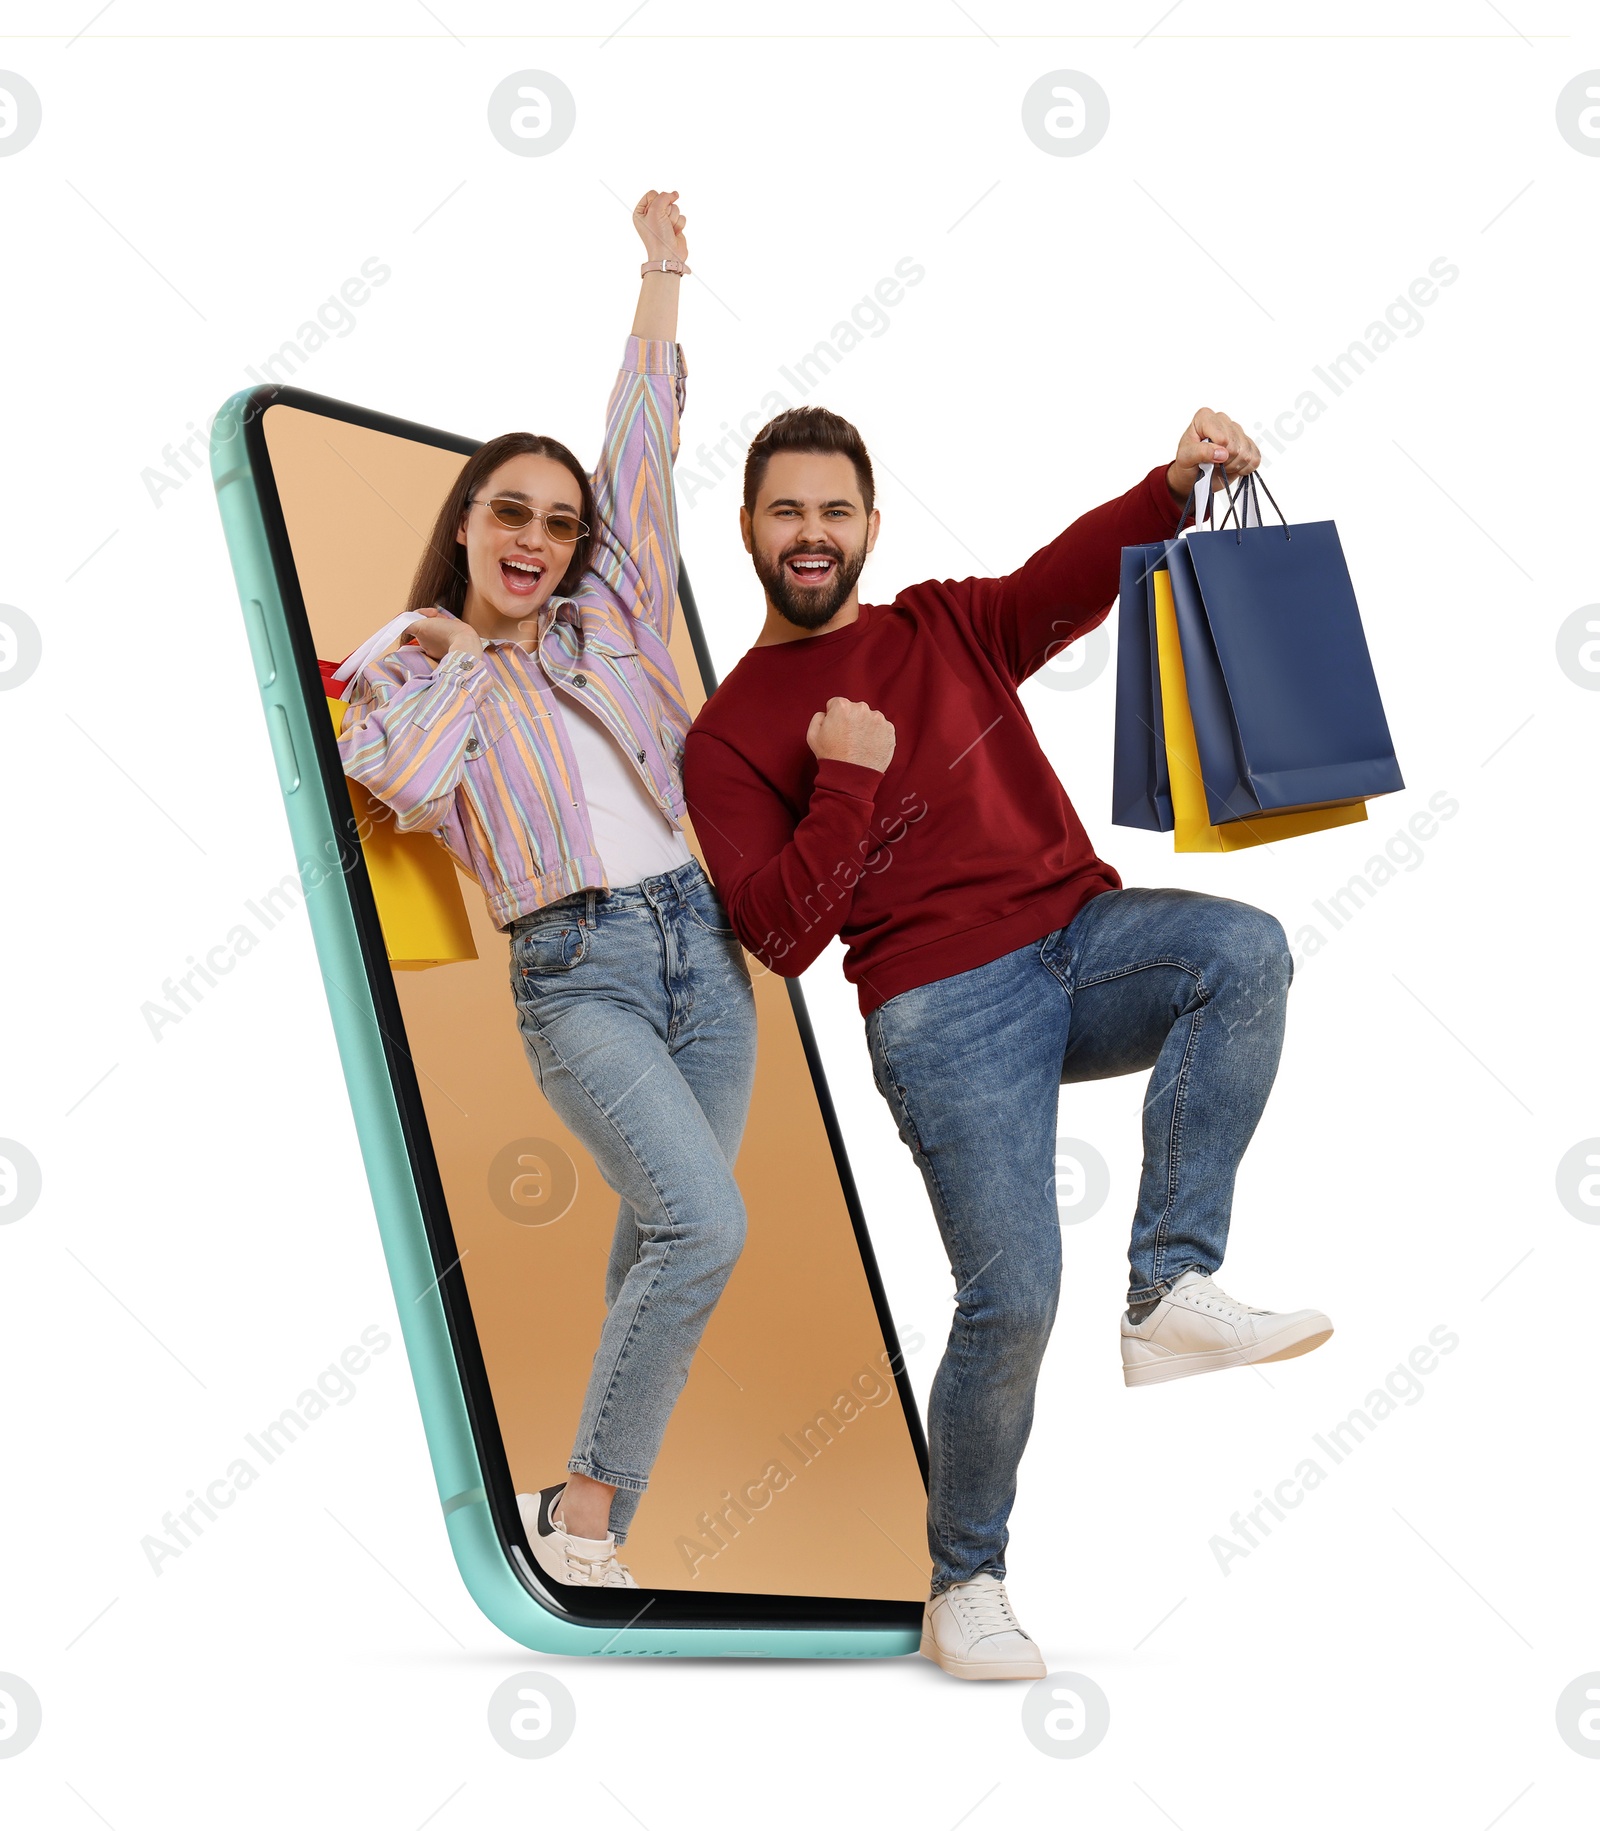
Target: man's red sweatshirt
966,847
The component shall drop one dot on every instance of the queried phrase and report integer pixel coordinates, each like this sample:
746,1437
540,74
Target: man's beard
809,607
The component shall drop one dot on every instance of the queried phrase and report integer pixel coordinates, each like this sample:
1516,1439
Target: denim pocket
705,909
875,1053
551,947
888,1083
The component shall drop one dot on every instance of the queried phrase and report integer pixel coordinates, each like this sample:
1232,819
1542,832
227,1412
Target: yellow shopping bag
414,884
1192,828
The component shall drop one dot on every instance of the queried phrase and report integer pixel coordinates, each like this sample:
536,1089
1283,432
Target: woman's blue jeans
637,1014
1190,986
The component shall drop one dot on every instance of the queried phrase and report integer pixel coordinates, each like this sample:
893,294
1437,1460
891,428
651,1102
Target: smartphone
785,1514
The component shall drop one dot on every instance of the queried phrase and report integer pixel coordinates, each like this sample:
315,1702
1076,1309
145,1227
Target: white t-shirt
631,834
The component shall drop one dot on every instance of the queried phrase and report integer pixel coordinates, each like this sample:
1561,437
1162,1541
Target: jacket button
580,680
639,754
472,746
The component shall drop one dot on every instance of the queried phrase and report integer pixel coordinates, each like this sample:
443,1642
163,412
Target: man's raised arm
1067,587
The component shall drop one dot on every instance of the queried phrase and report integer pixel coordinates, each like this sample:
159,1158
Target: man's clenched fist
852,732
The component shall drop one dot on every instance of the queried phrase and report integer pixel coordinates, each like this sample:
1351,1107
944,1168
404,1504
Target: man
868,771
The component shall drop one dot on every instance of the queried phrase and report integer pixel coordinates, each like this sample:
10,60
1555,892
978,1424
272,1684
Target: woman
536,725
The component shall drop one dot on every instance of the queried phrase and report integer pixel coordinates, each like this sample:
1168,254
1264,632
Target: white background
1271,180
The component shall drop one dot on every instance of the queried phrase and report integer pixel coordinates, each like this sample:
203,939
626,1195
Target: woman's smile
521,574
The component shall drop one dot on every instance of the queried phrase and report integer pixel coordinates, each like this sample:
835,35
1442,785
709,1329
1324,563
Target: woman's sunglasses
562,528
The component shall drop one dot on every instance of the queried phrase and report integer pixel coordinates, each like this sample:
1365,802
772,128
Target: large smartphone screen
794,1464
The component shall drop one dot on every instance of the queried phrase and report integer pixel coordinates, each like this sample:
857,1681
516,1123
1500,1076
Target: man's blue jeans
1190,986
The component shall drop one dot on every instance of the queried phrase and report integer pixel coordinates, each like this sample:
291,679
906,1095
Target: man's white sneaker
969,1629
1197,1328
561,1555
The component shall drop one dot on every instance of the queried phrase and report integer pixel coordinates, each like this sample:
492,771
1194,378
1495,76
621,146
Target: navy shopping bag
1286,707
1140,793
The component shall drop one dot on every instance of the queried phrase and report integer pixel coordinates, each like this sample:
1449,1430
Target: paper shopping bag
1140,794
1192,828
414,882
1281,689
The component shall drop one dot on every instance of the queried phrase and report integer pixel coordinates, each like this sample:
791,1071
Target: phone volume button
283,749
255,626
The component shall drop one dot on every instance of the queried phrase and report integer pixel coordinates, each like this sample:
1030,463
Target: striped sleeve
634,559
405,735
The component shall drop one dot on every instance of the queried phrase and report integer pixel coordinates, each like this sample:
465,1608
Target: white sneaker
1197,1328
969,1629
561,1555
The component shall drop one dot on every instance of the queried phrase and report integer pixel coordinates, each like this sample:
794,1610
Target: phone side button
255,625
283,749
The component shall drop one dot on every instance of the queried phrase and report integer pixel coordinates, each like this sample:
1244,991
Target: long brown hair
441,576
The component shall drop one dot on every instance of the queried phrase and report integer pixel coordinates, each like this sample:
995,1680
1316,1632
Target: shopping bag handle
1241,501
355,664
1202,496
1244,499
1241,498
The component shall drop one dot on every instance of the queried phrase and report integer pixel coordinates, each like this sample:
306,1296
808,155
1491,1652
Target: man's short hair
806,429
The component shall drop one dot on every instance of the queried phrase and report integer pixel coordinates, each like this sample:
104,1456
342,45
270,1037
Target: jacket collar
565,610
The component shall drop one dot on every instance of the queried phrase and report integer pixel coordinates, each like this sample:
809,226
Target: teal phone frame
489,1565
